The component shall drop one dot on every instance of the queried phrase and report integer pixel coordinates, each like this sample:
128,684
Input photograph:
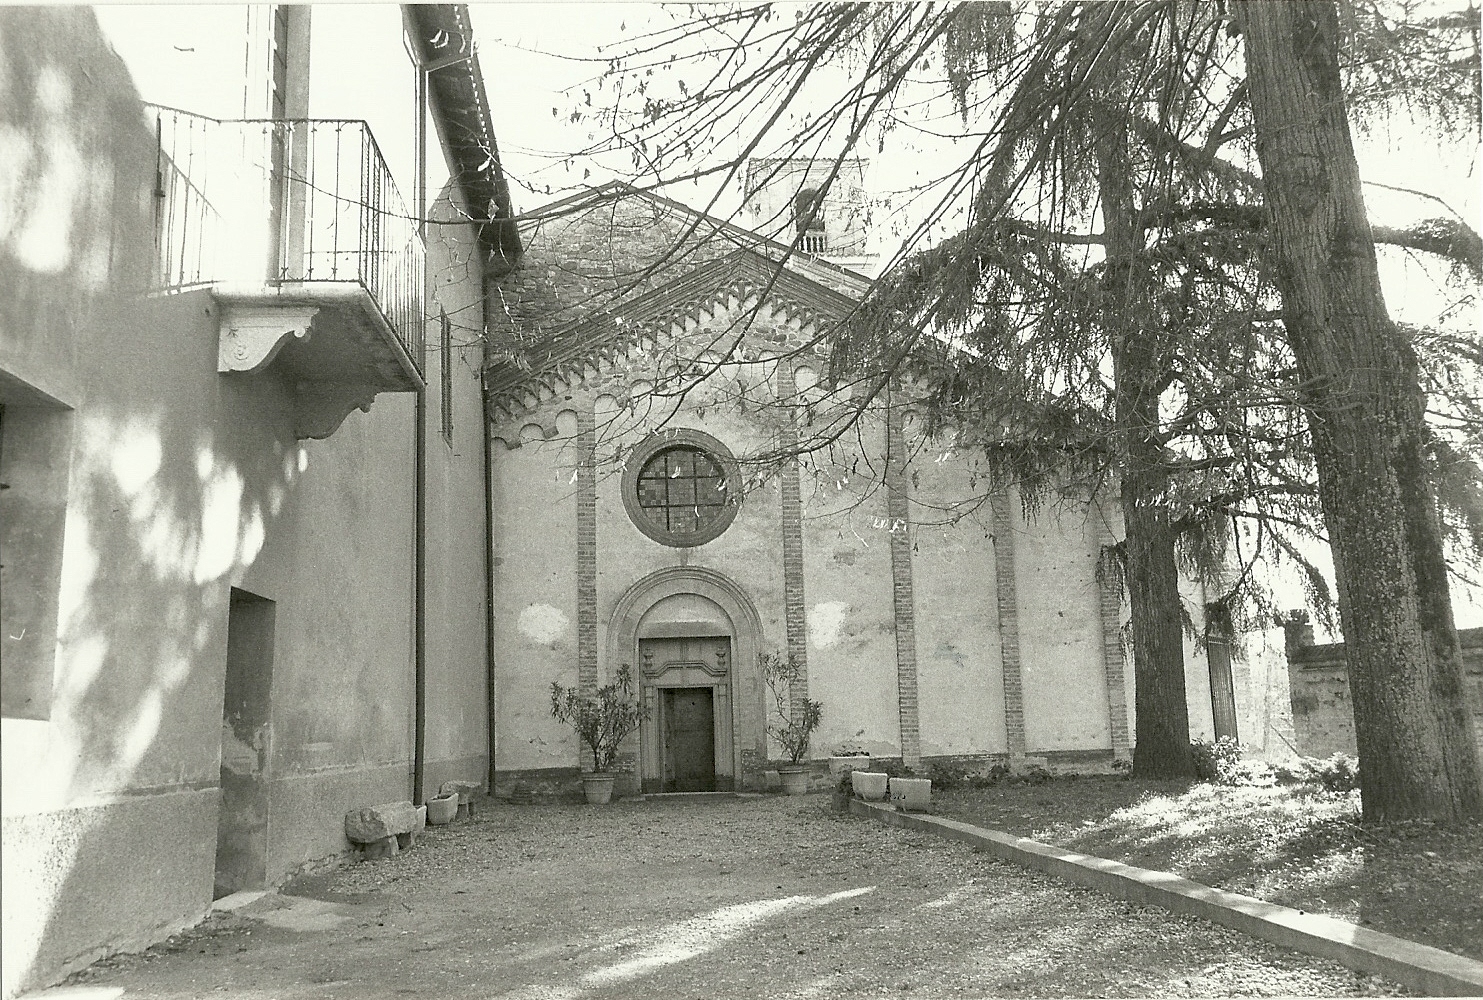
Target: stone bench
381,831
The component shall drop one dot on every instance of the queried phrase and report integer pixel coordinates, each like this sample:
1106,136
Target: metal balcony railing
284,202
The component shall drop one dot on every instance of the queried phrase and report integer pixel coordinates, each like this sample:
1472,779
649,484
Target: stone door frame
748,732
651,732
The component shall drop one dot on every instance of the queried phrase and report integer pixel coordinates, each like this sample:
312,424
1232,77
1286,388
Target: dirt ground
741,897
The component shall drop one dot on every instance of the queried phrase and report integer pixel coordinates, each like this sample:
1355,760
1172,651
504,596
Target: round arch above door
679,613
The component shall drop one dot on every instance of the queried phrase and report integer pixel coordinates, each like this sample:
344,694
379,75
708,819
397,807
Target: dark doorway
242,820
689,740
1222,680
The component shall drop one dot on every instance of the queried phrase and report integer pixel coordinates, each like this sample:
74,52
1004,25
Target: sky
540,59
546,54
543,56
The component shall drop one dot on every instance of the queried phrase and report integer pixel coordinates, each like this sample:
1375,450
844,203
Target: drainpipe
488,575
419,601
419,460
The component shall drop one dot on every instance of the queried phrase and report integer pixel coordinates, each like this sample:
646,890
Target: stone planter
795,779
869,785
911,794
598,788
442,809
840,766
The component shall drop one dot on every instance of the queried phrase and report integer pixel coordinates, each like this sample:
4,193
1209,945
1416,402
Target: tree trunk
1365,409
1161,712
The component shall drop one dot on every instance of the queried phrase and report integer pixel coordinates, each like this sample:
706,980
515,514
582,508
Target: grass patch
1296,845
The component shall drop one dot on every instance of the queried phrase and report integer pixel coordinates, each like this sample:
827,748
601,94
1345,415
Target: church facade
677,491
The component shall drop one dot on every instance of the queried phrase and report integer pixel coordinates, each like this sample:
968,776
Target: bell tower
820,204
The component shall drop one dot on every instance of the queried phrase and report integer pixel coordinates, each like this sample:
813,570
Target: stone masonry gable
652,324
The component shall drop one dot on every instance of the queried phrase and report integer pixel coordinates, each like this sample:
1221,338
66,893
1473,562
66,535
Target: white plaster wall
1197,666
749,551
1060,628
847,592
535,589
960,676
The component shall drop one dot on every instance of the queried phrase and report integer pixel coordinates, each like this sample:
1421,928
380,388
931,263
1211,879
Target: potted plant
602,721
847,759
797,719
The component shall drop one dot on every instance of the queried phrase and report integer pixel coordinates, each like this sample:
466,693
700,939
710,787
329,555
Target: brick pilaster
1113,666
794,620
586,454
899,513
1009,621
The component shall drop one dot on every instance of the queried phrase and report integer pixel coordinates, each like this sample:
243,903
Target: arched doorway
692,637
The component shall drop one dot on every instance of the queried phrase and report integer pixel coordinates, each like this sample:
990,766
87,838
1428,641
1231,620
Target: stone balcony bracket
329,342
252,335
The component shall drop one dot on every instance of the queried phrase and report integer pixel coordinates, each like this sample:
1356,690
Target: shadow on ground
770,897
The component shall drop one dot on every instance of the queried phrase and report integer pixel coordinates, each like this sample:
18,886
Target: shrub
1339,773
893,767
1034,775
947,774
1219,762
602,722
796,722
996,774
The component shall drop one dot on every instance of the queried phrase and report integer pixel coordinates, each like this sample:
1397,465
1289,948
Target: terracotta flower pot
795,779
440,810
598,788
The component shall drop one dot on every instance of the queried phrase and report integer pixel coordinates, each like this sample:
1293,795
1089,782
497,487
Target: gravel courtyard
751,897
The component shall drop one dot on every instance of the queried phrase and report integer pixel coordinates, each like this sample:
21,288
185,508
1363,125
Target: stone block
440,810
911,794
386,847
406,841
373,823
869,785
466,790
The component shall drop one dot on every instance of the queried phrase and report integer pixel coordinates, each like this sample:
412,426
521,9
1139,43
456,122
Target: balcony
316,264
813,241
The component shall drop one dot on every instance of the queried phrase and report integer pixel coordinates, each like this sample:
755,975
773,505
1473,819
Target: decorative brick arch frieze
609,368
748,720
741,283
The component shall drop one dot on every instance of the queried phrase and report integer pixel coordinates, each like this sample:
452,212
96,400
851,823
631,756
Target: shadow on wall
110,804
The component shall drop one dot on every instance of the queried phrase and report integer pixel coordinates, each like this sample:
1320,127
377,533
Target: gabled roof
826,272
612,332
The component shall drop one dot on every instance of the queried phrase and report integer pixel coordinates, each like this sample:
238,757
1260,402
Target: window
807,214
278,65
682,488
445,361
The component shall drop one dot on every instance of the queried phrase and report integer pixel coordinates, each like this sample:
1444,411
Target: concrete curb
1421,967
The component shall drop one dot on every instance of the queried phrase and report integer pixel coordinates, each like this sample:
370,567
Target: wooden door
686,740
689,739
